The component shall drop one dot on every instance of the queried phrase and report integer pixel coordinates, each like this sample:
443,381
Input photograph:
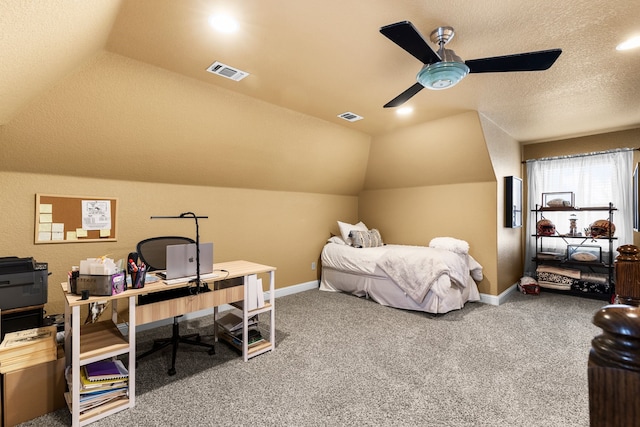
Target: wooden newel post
614,368
627,267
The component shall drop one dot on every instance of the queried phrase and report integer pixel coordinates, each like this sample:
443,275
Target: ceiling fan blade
405,35
530,61
404,96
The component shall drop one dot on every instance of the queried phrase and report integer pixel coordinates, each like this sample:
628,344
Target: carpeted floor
345,361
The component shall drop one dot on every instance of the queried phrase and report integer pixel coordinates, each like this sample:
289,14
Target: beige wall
435,179
272,181
283,229
451,150
505,155
415,215
116,118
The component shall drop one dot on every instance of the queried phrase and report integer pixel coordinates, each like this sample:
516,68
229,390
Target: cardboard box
34,391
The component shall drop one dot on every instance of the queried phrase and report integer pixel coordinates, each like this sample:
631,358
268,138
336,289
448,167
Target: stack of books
100,382
231,329
26,348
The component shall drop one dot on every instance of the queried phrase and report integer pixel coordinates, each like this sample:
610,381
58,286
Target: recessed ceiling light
404,111
223,23
630,43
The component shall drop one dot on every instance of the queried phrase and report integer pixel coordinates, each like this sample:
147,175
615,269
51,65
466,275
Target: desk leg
132,351
245,325
272,301
75,364
215,324
67,334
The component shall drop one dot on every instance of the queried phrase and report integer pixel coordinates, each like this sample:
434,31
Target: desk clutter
231,329
101,382
97,276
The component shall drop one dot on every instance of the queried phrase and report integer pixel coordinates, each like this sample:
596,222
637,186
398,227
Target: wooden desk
103,339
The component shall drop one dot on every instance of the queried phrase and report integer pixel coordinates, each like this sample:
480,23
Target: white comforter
415,269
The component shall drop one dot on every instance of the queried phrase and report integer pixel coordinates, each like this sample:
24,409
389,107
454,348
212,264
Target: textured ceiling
326,57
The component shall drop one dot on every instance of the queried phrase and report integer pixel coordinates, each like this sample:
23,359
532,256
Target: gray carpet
345,361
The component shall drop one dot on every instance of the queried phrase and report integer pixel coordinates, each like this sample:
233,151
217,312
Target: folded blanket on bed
416,268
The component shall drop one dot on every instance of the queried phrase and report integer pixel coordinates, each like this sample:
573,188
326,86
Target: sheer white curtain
596,179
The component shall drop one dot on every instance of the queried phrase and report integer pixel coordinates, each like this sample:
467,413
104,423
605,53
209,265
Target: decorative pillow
366,239
584,256
345,229
449,243
336,239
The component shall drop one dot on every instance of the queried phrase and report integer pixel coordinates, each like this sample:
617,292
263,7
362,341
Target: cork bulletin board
75,219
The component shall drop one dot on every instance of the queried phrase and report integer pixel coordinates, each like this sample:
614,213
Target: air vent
350,117
225,71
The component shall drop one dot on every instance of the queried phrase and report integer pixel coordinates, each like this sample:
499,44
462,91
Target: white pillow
336,239
345,229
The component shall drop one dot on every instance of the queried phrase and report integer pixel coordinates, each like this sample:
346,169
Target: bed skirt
384,291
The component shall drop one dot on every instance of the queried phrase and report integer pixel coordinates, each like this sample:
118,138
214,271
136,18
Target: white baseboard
289,290
497,300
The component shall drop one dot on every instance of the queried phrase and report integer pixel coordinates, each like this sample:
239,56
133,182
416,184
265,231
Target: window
596,180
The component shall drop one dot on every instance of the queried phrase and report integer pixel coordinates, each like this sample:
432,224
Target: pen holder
137,279
136,272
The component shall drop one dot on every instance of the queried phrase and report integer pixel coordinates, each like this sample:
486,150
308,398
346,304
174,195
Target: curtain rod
572,156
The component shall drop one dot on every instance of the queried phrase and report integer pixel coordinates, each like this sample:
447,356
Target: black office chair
153,252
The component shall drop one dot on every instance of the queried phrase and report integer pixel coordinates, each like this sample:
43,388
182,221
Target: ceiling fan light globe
442,75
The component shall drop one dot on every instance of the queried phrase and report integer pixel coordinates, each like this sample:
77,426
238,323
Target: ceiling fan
444,69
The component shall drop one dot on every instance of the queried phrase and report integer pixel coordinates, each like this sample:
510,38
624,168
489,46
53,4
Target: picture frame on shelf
584,253
513,202
558,199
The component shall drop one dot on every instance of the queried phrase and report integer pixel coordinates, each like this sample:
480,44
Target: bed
435,279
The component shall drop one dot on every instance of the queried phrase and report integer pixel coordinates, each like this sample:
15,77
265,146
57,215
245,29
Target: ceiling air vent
350,117
225,71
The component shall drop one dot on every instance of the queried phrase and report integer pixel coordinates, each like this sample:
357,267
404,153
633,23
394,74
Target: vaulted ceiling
324,58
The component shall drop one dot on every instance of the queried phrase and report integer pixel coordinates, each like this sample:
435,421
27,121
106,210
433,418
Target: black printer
23,282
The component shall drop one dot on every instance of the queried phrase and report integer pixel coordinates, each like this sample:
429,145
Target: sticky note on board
44,236
81,232
105,232
71,235
46,227
46,208
46,217
57,235
57,227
